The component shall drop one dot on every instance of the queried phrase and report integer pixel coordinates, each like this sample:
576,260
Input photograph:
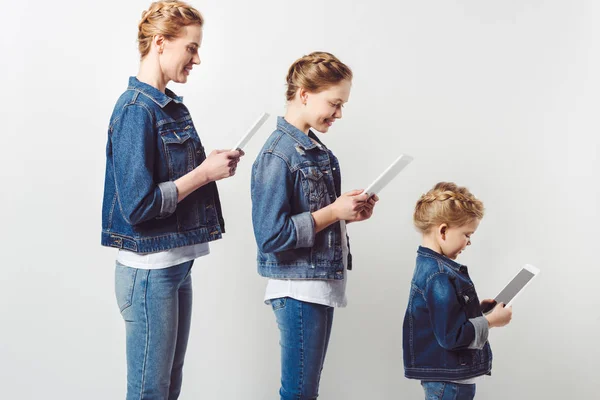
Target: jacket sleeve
451,327
272,190
133,144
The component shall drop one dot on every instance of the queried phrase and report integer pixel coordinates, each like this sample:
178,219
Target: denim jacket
291,178
445,332
152,142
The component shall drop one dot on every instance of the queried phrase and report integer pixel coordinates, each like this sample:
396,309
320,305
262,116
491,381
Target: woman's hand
220,164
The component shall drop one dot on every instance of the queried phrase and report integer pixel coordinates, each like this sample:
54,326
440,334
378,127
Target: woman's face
178,56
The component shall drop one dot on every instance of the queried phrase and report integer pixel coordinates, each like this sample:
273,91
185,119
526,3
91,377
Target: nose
469,243
196,59
338,113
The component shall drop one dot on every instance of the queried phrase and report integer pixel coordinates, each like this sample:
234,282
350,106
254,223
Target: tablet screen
515,286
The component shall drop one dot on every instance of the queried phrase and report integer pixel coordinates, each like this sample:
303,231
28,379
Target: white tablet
515,286
244,141
388,175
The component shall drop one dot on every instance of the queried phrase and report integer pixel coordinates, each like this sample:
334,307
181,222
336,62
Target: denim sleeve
482,329
169,194
451,327
133,144
272,190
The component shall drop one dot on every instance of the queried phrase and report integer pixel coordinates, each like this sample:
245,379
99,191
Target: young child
445,333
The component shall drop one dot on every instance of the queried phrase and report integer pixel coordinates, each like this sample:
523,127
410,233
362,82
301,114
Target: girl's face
320,110
453,240
178,56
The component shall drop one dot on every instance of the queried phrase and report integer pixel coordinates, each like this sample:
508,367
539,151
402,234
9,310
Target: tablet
514,287
388,175
244,141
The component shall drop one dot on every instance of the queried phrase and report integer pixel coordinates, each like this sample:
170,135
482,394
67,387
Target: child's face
453,240
323,108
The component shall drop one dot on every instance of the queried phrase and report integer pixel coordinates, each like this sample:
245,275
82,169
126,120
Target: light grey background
501,96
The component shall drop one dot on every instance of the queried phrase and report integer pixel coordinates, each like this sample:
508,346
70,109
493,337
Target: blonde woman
161,204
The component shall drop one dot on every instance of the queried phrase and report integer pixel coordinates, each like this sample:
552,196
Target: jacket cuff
482,331
305,229
168,191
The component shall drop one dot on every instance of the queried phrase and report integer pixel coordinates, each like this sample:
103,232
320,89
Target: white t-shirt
326,292
162,259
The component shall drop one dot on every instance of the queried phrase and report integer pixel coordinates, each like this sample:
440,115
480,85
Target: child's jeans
448,391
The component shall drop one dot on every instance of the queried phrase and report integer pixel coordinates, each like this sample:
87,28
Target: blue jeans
448,391
304,335
157,308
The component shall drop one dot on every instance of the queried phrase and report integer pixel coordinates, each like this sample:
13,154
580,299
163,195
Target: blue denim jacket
291,178
445,332
152,142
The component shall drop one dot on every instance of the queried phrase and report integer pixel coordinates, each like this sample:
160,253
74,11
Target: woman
161,204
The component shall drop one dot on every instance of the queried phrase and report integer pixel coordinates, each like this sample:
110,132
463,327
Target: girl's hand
367,209
349,205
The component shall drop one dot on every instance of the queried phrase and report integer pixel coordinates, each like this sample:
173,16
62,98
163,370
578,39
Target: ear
303,95
158,42
442,230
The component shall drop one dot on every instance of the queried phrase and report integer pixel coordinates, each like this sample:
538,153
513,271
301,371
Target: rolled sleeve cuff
305,229
168,192
482,331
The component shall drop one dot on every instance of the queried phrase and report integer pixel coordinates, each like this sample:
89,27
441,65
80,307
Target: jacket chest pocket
180,151
470,302
313,183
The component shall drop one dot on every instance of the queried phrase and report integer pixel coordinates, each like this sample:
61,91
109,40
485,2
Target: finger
352,193
361,197
233,154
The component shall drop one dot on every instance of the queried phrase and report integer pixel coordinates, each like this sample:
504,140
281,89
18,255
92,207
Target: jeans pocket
124,284
278,304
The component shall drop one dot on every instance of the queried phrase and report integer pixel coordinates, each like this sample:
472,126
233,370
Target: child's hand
500,316
487,305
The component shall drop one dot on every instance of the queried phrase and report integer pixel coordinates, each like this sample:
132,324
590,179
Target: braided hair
315,72
165,18
446,203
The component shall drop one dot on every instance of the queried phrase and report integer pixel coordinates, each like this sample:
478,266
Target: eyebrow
194,43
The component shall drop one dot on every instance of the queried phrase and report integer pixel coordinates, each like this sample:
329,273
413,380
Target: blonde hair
449,204
165,18
316,72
